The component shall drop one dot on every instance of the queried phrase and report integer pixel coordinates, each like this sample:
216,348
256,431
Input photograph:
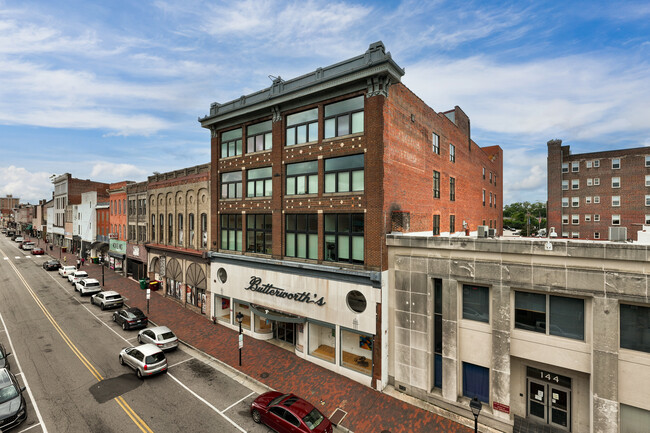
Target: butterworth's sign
255,285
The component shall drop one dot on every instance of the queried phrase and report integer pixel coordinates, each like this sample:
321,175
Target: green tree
525,216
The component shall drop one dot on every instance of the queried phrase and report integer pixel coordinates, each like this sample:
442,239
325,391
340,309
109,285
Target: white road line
207,403
180,362
17,257
30,427
18,374
29,390
237,402
132,338
6,258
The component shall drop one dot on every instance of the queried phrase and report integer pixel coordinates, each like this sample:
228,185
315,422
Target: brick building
117,235
591,194
308,177
7,204
136,253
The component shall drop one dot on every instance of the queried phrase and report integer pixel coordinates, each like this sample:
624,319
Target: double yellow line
120,401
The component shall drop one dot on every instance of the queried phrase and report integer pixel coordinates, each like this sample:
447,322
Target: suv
19,239
67,270
87,286
27,246
12,402
76,276
107,299
145,360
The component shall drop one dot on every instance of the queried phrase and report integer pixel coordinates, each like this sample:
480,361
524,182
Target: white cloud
112,172
28,186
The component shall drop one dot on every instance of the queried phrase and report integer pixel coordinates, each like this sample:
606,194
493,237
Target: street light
239,316
476,406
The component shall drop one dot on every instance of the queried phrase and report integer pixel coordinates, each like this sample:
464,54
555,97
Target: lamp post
476,405
239,316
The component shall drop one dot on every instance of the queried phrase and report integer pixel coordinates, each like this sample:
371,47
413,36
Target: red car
38,252
287,413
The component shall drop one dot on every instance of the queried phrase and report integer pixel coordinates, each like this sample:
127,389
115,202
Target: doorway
549,404
285,332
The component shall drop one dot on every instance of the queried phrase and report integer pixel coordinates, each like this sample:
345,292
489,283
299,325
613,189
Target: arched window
162,227
204,230
174,277
170,230
180,229
153,227
196,286
190,227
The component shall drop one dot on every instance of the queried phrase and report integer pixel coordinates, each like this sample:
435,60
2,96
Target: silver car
107,299
161,336
87,286
145,360
76,276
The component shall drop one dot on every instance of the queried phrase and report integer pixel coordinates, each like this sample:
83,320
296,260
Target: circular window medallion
203,198
222,274
191,199
356,301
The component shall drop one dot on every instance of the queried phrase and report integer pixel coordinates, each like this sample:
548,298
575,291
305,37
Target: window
587,217
616,163
301,236
153,227
119,207
596,181
647,219
322,335
354,345
204,229
616,200
258,233
259,182
436,146
231,184
647,180
597,199
565,185
259,137
565,219
616,220
436,186
616,182
566,315
565,201
180,229
162,227
231,232
231,143
436,225
588,200
483,197
575,167
647,161
596,235
302,178
437,333
590,182
344,174
565,234
452,189
452,153
302,127
483,173
647,200
124,206
344,238
476,382
476,303
634,419
575,184
490,177
588,164
596,217
635,327
190,229
596,163
565,167
452,223
344,117
170,228
575,201
575,219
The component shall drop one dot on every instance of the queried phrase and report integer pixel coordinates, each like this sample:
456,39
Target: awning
116,255
276,316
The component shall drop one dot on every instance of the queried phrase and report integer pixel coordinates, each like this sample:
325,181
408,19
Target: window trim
351,234
349,115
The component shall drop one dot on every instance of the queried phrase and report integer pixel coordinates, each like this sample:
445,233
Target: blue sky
112,91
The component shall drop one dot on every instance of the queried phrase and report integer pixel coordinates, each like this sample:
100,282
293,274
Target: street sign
148,293
241,340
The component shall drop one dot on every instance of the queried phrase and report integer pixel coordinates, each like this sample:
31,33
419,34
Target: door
549,404
285,332
560,407
537,400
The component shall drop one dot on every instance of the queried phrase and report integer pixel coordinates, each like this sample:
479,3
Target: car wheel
256,416
124,326
102,307
121,360
138,373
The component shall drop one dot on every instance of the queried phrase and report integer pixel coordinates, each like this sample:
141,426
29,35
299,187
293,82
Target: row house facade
178,205
308,178
136,253
118,223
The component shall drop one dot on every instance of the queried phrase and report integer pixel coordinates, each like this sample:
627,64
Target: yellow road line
120,401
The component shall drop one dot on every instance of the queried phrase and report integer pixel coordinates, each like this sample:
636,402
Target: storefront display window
246,311
356,351
322,341
263,325
174,279
222,308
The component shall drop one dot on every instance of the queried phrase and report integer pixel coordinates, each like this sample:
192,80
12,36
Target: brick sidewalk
368,410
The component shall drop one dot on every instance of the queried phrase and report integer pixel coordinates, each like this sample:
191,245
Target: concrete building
308,177
136,253
545,333
179,211
591,194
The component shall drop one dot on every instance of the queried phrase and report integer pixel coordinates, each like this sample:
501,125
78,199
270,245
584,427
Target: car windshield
277,400
155,358
8,393
313,419
166,336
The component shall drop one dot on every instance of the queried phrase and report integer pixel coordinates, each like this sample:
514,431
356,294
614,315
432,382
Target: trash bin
64,249
154,285
95,260
143,284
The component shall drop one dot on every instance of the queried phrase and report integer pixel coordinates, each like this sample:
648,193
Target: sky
112,91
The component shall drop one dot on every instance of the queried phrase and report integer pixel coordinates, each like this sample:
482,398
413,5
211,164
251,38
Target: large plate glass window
553,315
231,184
476,303
302,178
356,351
231,143
258,233
635,327
259,182
322,341
302,127
344,117
231,232
302,236
344,174
344,240
259,137
476,382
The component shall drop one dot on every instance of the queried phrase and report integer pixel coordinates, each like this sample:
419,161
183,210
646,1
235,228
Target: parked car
38,251
4,362
146,360
27,246
130,318
67,270
161,336
76,276
19,239
289,413
87,286
52,265
107,299
13,409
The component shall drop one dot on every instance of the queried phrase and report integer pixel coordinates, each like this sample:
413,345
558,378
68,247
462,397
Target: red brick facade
591,191
118,209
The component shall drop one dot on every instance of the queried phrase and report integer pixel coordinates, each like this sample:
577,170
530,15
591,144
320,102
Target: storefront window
356,351
196,285
222,308
263,325
174,288
322,341
246,311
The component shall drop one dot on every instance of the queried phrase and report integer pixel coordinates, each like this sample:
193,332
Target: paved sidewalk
368,410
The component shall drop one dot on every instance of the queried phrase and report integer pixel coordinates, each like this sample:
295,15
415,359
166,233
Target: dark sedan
4,362
130,318
13,409
52,265
289,413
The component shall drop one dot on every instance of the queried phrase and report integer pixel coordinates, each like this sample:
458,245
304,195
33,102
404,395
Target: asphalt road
65,352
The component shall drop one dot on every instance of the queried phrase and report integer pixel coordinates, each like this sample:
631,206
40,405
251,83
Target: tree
526,217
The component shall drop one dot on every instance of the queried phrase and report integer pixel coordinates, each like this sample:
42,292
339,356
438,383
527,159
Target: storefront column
450,339
605,359
500,370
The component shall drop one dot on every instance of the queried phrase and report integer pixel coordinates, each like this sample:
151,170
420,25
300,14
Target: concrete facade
601,381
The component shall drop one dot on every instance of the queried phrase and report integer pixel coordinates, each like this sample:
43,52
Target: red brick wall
103,223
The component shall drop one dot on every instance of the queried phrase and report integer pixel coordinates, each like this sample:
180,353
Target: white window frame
647,200
616,182
575,220
588,200
596,235
588,164
596,199
590,182
565,234
575,167
647,219
435,138
616,163
565,185
647,180
616,220
587,217
596,217
565,167
575,201
596,181
616,201
596,163
575,235
647,161
565,219
575,183
565,201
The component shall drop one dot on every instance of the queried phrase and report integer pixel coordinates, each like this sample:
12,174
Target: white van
67,270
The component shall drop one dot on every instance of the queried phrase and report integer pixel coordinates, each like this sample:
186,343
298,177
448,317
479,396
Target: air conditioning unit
618,234
483,231
492,232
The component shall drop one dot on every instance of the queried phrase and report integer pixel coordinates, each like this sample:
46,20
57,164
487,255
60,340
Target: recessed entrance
285,332
547,401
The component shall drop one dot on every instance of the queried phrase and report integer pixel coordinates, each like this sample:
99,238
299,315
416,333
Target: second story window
204,229
190,229
452,189
259,230
302,127
153,227
259,137
436,224
436,146
259,182
180,229
575,166
565,167
231,232
616,182
344,174
301,236
162,227
344,117
302,178
452,153
231,143
170,233
436,184
616,163
231,184
344,238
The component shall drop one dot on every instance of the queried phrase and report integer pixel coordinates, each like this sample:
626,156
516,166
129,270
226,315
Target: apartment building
118,218
593,194
136,253
7,204
308,178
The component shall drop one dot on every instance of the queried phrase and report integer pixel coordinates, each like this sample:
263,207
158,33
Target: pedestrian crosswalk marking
17,257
